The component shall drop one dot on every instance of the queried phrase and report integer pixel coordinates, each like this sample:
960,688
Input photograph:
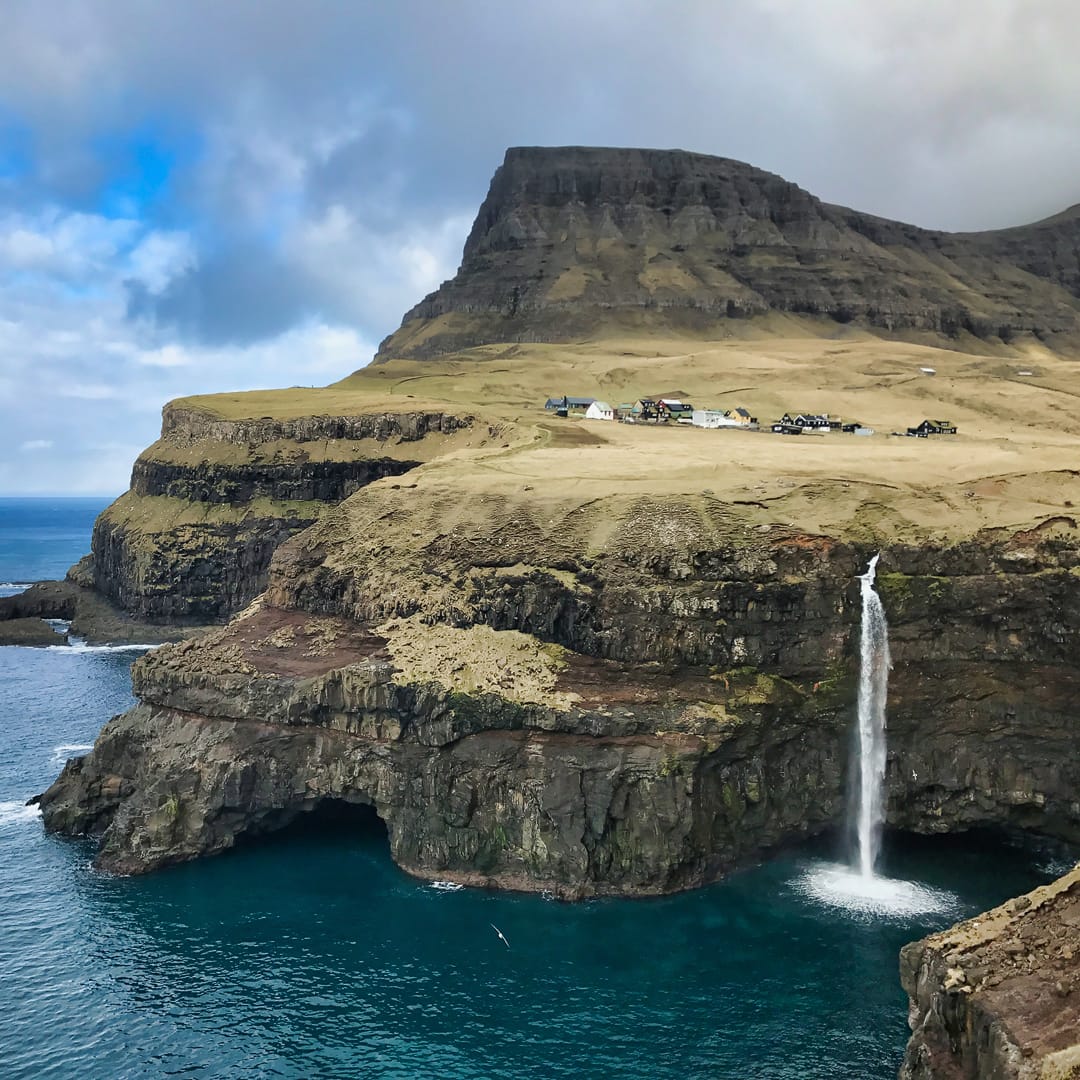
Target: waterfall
874,664
856,888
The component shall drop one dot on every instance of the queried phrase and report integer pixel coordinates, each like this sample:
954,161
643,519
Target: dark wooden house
932,427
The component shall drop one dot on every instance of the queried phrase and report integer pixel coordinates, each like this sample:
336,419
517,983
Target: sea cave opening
317,821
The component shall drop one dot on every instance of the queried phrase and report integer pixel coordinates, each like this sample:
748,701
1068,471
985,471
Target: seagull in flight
502,937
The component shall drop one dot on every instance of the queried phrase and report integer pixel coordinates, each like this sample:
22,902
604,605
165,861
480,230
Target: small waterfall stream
874,664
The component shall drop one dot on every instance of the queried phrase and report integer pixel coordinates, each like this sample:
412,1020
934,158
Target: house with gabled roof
933,427
806,420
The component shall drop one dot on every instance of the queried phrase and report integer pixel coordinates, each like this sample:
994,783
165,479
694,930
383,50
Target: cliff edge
999,995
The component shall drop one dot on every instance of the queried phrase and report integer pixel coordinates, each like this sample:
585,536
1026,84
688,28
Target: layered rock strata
209,503
999,995
534,712
572,241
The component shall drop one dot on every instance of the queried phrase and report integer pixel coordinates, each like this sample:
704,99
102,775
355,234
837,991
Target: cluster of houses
667,409
800,422
652,410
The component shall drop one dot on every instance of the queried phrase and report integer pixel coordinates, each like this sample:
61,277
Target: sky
207,196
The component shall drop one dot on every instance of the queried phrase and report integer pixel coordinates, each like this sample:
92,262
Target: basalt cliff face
552,705
210,502
571,241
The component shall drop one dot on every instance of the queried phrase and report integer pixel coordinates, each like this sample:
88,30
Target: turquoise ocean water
312,955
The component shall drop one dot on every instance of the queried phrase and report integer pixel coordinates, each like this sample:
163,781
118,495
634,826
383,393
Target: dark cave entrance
327,820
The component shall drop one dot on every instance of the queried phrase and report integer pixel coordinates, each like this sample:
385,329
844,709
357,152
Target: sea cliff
625,717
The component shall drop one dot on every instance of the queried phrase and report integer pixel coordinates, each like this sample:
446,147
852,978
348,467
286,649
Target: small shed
599,410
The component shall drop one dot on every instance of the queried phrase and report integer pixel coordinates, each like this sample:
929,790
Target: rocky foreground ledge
999,995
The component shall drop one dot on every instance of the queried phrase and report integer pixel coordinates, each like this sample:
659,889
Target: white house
713,418
599,410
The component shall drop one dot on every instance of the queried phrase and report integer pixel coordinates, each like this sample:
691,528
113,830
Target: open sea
311,955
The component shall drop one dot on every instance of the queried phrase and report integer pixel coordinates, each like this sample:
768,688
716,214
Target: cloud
35,444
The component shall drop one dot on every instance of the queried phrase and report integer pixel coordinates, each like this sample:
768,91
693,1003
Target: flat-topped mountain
575,242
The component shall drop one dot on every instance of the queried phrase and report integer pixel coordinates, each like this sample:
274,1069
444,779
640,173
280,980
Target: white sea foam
61,753
81,647
20,585
447,886
13,812
872,897
1056,867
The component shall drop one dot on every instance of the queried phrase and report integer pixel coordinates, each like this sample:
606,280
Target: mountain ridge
573,240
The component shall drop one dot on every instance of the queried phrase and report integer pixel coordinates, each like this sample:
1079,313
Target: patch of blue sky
140,166
16,148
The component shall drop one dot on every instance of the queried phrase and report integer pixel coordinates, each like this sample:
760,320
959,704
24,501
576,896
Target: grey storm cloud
333,153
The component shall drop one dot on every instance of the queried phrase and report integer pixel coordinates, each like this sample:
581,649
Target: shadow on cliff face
322,820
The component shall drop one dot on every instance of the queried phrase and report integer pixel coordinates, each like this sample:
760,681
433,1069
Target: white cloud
36,444
159,258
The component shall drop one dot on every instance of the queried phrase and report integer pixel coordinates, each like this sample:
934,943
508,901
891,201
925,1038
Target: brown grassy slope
1011,465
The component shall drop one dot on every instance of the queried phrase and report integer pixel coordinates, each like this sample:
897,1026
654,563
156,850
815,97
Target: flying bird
502,938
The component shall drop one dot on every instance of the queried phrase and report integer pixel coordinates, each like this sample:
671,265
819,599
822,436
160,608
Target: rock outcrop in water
999,995
575,241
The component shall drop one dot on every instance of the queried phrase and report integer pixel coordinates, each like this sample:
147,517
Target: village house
710,418
673,409
780,428
563,406
807,420
732,418
932,427
599,410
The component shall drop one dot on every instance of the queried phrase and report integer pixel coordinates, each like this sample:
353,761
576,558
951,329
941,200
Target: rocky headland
601,659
